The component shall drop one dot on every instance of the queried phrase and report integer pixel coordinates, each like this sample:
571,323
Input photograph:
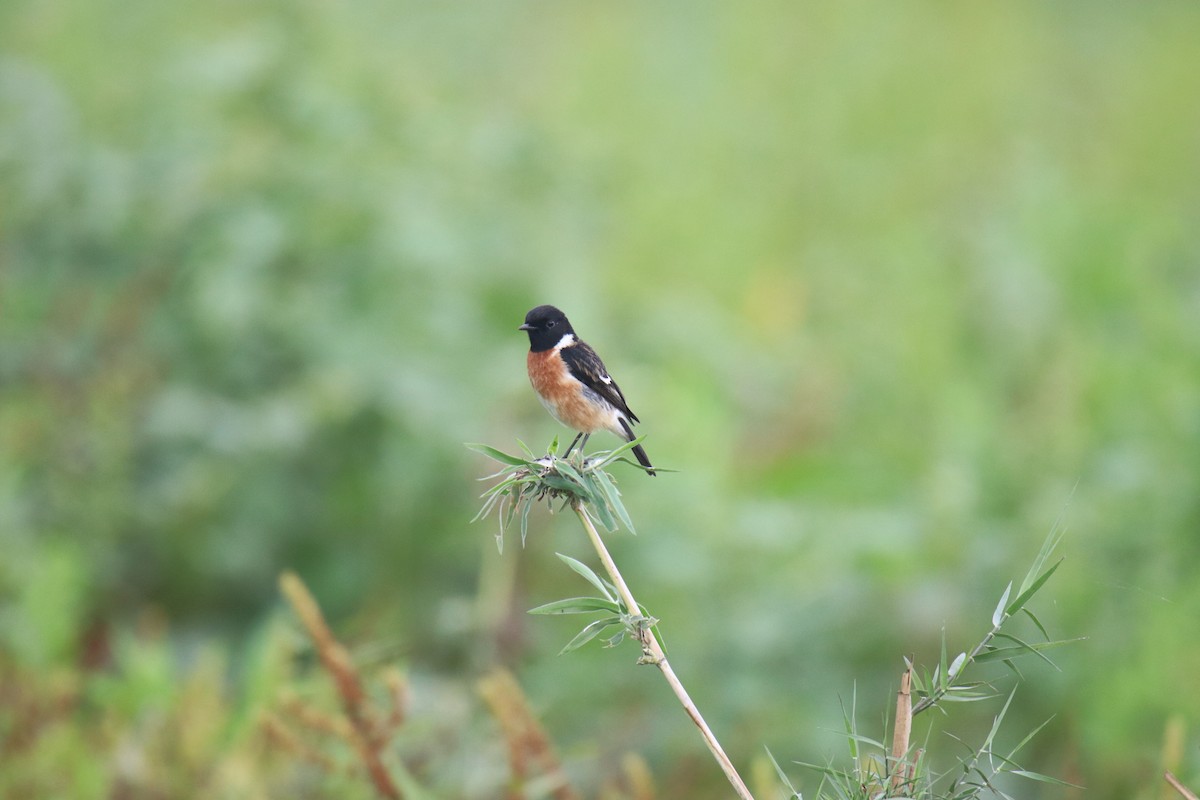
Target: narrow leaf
1024,597
613,454
588,633
613,496
998,614
1037,776
498,455
586,572
1037,622
576,605
955,666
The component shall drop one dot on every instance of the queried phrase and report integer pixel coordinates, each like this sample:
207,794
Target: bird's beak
525,326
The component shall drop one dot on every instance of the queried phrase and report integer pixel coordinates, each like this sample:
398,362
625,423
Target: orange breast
565,397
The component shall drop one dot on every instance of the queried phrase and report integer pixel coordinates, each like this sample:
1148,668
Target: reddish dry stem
363,733
527,741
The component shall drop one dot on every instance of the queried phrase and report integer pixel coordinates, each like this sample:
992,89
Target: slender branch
652,653
936,694
1187,793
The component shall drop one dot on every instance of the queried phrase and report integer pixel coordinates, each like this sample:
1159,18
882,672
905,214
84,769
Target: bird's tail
639,452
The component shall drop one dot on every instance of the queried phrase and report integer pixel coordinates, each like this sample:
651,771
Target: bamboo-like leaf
568,471
782,778
955,696
577,605
605,516
1035,569
987,743
1037,776
562,485
613,497
615,639
1029,647
849,723
586,572
999,614
633,463
1028,737
498,455
1001,653
1024,596
615,452
526,505
956,666
591,631
1037,622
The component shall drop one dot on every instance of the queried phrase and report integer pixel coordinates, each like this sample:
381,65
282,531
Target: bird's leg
574,442
582,445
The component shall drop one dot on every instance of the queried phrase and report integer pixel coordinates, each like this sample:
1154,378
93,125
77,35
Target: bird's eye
551,323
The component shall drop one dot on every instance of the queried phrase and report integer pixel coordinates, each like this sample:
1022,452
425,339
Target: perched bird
572,383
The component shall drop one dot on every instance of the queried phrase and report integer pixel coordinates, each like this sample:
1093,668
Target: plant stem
653,653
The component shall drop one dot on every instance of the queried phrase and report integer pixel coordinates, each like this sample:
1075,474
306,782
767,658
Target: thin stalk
653,653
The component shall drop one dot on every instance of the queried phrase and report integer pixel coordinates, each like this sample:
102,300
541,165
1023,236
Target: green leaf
588,633
613,497
1028,736
999,613
526,505
1024,596
577,605
562,485
1052,540
633,463
956,666
586,572
1029,647
605,516
1036,622
848,722
614,453
782,778
498,455
1037,776
957,696
568,471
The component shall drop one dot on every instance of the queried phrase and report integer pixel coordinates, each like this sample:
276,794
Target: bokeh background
897,288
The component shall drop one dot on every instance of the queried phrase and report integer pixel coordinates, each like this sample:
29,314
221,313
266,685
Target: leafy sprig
906,771
526,479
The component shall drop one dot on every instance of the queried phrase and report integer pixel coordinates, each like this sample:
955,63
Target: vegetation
893,288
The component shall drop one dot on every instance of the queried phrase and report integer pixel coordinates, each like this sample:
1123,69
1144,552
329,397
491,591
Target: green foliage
527,479
878,767
617,615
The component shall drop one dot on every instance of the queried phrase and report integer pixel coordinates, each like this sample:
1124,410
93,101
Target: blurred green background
894,286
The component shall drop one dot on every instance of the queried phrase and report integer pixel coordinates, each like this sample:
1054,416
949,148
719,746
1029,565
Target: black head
546,326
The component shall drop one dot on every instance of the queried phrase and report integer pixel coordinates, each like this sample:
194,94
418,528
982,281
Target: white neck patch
567,340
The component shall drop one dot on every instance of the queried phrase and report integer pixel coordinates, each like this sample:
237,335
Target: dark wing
589,370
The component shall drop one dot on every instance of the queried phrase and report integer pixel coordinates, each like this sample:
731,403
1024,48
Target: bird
573,384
